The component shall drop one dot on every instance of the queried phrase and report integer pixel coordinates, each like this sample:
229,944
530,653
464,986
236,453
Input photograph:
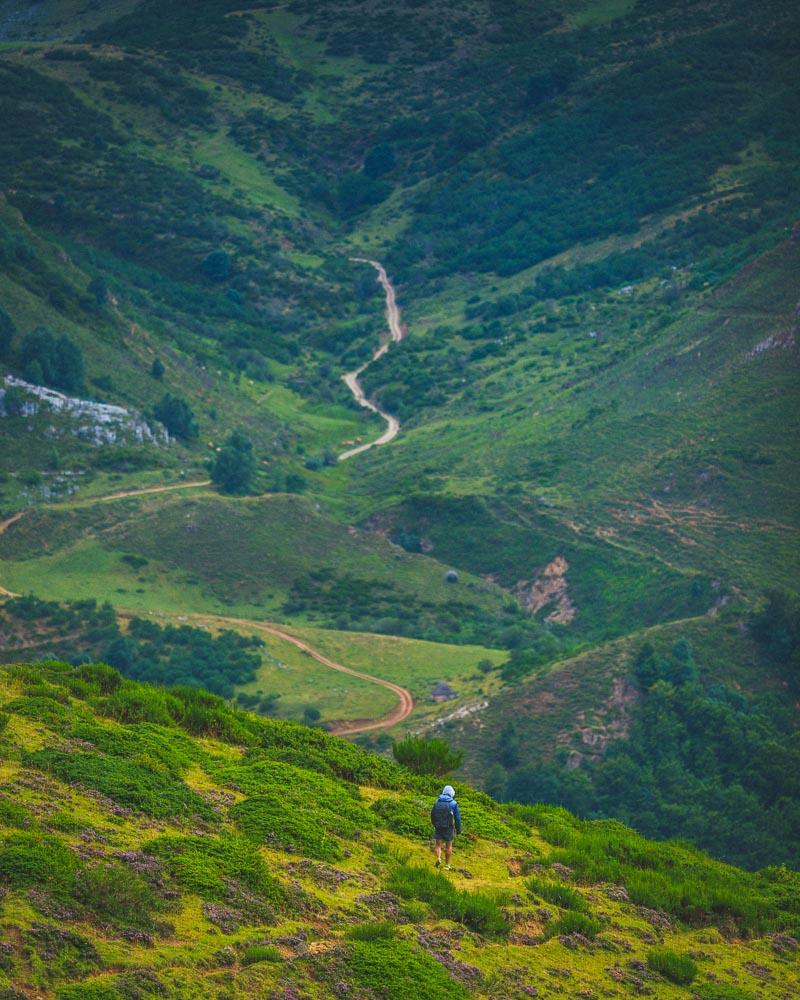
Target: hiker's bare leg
438,850
448,851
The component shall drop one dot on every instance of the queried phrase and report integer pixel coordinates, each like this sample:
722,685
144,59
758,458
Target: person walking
446,819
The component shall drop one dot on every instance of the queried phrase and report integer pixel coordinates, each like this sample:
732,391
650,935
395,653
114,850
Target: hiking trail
351,379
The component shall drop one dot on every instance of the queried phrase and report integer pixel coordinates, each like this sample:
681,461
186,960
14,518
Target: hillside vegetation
158,843
589,212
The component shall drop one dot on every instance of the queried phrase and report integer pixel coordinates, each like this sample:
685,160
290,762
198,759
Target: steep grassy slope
160,844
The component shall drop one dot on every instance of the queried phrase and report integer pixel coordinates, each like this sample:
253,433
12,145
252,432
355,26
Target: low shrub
13,814
101,676
116,894
316,750
678,969
396,969
40,708
208,865
310,833
129,784
672,876
477,910
427,756
411,819
560,895
573,923
261,953
378,931
28,859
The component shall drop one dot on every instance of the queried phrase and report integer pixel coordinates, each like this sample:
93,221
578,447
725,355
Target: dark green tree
217,265
177,416
157,369
379,161
235,465
98,287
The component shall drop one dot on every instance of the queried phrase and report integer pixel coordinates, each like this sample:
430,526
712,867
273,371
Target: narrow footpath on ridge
351,379
405,699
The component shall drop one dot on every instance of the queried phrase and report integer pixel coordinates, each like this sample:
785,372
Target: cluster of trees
46,358
702,762
146,651
185,655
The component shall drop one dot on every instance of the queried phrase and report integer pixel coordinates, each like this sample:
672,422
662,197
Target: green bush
208,865
136,703
396,970
13,814
411,819
670,876
116,894
478,910
377,931
299,810
28,859
101,676
261,953
42,708
573,923
127,783
679,969
560,895
308,832
427,756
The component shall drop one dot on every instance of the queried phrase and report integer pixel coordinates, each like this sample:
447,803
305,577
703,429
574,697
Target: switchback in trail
351,379
406,701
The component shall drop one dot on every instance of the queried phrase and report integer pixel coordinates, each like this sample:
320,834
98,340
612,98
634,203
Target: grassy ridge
199,848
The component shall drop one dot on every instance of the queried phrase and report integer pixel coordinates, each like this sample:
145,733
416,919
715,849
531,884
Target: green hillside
587,525
158,843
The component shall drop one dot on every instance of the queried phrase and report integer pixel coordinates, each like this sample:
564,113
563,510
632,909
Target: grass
679,969
261,953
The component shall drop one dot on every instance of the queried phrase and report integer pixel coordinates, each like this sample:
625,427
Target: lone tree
235,466
157,369
427,756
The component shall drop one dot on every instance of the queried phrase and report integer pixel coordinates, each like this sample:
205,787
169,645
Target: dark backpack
442,816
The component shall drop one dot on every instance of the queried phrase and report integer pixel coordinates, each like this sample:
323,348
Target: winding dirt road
351,379
403,710
406,701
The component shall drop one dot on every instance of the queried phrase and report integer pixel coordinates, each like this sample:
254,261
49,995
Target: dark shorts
448,836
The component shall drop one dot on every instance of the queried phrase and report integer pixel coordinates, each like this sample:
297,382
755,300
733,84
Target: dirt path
351,379
403,710
150,489
406,702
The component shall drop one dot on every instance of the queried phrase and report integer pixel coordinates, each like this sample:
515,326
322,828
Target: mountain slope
157,843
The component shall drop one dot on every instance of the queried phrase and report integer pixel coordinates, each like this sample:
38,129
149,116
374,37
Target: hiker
446,819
